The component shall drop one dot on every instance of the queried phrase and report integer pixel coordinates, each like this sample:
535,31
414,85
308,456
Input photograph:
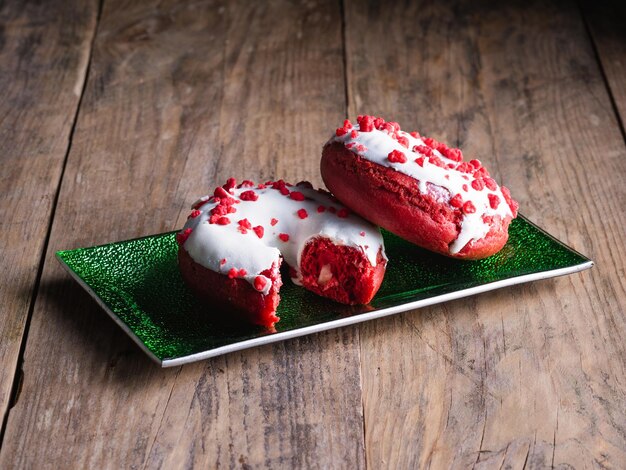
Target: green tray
138,284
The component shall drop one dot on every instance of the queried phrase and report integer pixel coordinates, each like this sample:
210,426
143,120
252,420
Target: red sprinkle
194,213
223,262
260,282
423,150
247,184
321,209
481,173
490,183
284,191
248,196
478,184
366,123
354,134
284,237
362,233
475,163
420,161
415,134
403,141
182,237
223,221
452,154
469,208
232,273
245,223
343,213
221,193
231,183
456,201
465,167
273,221
242,272
432,143
494,200
465,188
302,213
296,196
379,123
341,131
395,156
435,160
259,230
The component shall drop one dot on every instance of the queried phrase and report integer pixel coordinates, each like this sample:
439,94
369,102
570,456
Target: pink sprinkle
362,233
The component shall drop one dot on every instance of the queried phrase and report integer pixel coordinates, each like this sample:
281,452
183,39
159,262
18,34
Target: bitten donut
417,188
234,241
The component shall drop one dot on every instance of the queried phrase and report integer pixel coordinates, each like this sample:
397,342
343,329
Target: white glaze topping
222,248
376,145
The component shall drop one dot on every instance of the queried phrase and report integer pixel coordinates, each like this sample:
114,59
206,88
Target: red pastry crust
235,296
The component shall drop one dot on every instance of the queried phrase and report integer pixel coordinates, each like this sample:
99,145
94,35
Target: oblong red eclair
417,188
233,243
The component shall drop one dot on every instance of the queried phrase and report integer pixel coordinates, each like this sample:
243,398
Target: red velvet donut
233,243
417,188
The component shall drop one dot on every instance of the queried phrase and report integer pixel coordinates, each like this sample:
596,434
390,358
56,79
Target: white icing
379,144
208,244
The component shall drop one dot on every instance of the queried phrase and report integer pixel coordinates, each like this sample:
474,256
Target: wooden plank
605,21
532,375
44,51
180,97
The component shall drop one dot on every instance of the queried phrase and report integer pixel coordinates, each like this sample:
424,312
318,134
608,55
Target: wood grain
44,50
531,376
181,96
605,21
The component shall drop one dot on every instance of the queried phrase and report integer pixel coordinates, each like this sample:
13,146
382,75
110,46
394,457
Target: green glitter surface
139,282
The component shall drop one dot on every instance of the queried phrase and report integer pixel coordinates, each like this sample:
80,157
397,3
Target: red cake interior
341,273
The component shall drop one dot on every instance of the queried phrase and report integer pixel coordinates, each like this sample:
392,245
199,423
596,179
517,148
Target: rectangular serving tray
138,284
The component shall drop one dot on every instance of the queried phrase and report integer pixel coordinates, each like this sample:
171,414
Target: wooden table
115,115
